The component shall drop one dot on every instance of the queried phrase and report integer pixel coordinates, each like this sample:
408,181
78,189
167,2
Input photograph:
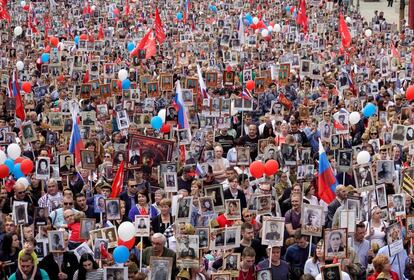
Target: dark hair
245,226
82,271
144,192
6,246
42,160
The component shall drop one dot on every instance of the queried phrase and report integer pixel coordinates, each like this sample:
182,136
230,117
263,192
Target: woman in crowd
88,269
164,219
143,207
376,227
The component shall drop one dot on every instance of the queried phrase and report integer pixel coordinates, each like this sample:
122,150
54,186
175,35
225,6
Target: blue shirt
297,256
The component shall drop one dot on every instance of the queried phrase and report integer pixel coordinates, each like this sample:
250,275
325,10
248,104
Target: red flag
86,77
127,10
19,107
302,18
412,57
4,14
343,29
101,34
159,31
118,181
148,44
395,52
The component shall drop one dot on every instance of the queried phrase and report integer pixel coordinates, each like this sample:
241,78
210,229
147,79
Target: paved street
368,8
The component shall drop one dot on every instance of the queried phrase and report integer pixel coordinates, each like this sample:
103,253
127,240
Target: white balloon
18,30
265,32
126,231
162,113
93,7
61,45
363,157
270,28
14,151
122,75
22,3
23,181
354,117
348,20
19,65
255,20
277,28
368,32
3,157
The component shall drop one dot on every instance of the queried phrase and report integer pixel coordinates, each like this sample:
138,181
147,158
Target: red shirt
374,276
250,275
223,222
75,233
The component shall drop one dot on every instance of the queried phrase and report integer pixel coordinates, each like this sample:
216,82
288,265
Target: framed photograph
20,215
170,182
270,152
206,205
203,237
345,159
381,197
56,120
112,209
51,138
115,273
273,231
264,274
263,204
43,168
184,136
233,209
56,241
335,243
228,78
231,263
398,134
88,159
364,178
410,224
183,213
82,249
66,163
232,237
394,239
341,122
243,155
86,226
385,171
188,251
40,216
216,192
41,249
354,203
142,225
98,246
110,234
161,268
29,133
99,203
347,219
398,204
211,79
188,97
289,154
221,276
409,135
311,219
153,151
335,141
331,272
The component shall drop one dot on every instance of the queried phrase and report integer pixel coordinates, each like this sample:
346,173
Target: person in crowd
27,270
88,269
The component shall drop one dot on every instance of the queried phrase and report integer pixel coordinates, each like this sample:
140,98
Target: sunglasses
68,203
133,186
22,192
69,216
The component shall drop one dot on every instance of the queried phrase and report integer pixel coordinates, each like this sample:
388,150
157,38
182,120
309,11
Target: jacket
69,266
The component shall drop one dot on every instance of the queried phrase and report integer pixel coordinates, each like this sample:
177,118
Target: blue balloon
45,57
130,46
369,110
126,84
10,164
17,172
249,18
77,38
121,254
213,8
179,15
288,8
156,122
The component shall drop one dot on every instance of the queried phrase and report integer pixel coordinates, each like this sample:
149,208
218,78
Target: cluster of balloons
15,164
126,233
260,26
212,8
123,77
257,168
158,122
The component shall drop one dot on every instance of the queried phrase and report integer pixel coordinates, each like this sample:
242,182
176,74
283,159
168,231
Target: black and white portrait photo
331,272
40,216
263,204
56,241
289,154
273,231
216,192
112,209
66,163
86,226
88,159
335,243
170,181
188,251
43,168
20,215
344,159
398,204
231,262
110,234
142,225
364,178
203,237
354,203
385,171
265,274
161,268
398,134
115,273
233,209
232,237
243,155
183,213
29,134
206,205
409,135
311,219
381,196
99,203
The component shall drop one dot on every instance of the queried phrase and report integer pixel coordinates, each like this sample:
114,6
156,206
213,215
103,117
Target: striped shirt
52,202
96,274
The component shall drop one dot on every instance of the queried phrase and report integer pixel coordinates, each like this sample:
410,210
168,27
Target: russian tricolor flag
182,111
76,143
186,10
326,179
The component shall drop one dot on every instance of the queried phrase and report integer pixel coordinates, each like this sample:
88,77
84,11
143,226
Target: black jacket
240,195
69,266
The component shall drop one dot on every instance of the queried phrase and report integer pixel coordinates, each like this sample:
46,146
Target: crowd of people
258,139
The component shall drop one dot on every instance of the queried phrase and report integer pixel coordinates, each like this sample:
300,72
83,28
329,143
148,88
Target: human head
158,241
19,191
86,264
67,202
381,264
52,186
335,240
26,263
341,192
360,231
143,197
248,256
300,239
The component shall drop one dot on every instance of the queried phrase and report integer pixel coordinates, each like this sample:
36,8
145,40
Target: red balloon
4,171
166,128
19,160
119,84
54,41
26,166
292,9
83,37
271,167
27,87
250,85
228,68
409,94
116,11
257,169
47,49
129,244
